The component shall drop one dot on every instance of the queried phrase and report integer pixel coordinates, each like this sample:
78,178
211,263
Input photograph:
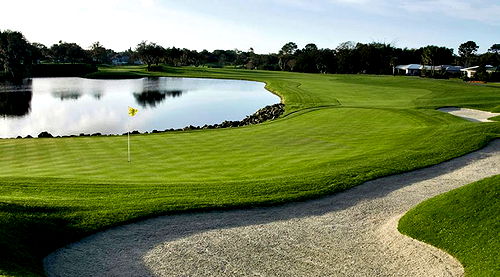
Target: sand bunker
469,114
347,234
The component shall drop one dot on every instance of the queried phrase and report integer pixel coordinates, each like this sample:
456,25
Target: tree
98,53
241,58
285,55
172,56
492,57
289,48
444,56
307,59
372,58
393,61
310,47
252,60
408,56
495,48
39,52
467,51
15,54
346,57
429,55
434,55
65,52
327,61
150,53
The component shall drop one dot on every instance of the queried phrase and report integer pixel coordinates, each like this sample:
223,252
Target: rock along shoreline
270,112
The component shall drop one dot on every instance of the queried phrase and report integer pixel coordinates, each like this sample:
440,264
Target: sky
264,25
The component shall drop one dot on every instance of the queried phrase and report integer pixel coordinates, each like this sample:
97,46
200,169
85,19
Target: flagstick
128,140
131,112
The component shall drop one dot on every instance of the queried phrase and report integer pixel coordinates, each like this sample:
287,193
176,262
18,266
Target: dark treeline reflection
152,98
15,99
154,92
67,95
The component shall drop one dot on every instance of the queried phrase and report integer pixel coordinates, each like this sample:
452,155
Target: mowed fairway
338,131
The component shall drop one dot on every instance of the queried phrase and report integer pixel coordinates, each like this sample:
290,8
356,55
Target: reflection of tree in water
67,95
153,92
15,100
174,93
97,95
152,98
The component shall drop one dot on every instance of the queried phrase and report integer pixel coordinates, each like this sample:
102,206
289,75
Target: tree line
18,55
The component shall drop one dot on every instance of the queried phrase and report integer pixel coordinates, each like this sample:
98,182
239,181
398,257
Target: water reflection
67,94
154,97
15,99
174,93
100,106
154,92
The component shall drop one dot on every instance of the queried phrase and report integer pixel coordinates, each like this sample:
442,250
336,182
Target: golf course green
338,131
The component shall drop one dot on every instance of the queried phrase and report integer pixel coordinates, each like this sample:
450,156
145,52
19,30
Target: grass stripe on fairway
286,148
338,131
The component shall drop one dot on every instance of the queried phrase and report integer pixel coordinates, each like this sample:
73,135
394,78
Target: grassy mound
464,222
337,132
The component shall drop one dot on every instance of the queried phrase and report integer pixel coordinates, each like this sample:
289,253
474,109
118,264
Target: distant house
120,59
409,69
449,70
416,69
471,71
455,69
123,59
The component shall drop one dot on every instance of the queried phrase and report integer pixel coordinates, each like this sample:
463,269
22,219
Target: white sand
470,114
348,234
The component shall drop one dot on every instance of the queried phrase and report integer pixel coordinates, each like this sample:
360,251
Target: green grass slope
337,132
464,222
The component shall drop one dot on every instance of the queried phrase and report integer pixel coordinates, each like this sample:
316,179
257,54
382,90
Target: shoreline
268,113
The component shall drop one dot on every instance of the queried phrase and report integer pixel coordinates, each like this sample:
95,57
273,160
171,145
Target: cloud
263,24
353,2
477,10
306,5
148,3
485,11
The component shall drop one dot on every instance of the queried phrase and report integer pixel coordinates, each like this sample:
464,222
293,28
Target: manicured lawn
463,222
337,132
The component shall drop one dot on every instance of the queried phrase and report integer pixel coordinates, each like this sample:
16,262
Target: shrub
45,134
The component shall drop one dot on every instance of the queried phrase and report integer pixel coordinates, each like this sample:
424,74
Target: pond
71,106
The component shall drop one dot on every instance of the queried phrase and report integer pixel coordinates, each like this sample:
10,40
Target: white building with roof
471,71
415,69
409,69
